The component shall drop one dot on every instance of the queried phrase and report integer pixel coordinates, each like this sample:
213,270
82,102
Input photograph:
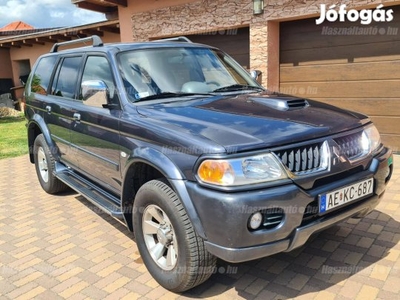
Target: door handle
77,117
48,109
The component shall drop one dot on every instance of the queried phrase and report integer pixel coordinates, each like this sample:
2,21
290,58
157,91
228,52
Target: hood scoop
282,104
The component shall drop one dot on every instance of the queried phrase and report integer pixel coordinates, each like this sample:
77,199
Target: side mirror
95,93
255,74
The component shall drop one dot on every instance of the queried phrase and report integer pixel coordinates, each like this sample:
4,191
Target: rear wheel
45,164
170,248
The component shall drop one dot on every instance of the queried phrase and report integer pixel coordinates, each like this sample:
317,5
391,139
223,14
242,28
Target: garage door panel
378,58
305,34
352,71
338,61
392,141
341,89
349,52
309,26
387,125
369,106
318,39
356,72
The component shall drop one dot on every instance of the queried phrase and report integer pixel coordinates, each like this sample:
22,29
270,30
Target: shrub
9,112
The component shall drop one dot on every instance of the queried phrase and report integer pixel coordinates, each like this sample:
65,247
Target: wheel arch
35,127
141,169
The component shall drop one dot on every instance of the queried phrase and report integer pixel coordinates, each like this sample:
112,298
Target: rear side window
65,85
41,77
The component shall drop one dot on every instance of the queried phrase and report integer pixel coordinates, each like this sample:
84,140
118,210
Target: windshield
147,73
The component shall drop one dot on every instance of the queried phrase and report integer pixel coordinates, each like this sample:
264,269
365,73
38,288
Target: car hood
251,121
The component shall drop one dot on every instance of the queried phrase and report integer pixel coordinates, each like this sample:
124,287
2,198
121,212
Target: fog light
255,220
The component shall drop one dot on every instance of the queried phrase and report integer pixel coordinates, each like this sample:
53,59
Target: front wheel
170,248
45,164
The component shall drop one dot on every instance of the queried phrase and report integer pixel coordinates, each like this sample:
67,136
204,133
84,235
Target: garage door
356,67
235,42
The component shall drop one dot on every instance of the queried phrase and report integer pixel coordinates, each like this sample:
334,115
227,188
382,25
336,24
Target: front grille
304,159
272,217
351,145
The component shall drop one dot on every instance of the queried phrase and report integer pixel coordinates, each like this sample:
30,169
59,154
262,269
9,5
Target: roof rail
175,39
97,42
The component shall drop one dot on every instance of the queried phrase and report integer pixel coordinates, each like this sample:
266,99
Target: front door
95,130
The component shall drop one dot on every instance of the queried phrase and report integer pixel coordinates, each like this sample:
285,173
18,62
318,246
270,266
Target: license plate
345,195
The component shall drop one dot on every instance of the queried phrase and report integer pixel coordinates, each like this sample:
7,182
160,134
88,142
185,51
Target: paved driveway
56,247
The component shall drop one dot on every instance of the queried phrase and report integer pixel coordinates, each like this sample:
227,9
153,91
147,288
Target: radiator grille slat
302,159
316,156
351,145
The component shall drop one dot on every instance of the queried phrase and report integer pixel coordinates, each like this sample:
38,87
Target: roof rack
175,39
97,42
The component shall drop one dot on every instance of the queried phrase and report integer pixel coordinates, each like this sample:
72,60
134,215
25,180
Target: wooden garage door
235,42
360,72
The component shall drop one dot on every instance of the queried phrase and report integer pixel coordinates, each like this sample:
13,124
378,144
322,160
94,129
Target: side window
41,77
67,77
98,68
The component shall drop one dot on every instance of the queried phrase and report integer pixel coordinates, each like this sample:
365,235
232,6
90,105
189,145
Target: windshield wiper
237,87
169,95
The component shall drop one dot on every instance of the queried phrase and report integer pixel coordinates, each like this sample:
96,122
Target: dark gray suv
180,143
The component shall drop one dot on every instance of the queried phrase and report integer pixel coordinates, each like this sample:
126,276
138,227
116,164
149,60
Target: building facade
19,49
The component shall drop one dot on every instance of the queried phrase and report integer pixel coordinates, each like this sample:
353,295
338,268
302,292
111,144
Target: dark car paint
172,135
246,122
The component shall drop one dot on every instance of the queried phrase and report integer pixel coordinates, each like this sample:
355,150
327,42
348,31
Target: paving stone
61,247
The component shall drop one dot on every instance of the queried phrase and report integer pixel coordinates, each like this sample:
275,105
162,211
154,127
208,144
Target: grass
13,137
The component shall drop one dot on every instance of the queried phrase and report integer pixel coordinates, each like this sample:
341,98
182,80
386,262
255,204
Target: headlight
241,171
371,139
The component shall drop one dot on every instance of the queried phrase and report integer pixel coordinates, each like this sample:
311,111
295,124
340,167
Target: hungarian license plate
345,195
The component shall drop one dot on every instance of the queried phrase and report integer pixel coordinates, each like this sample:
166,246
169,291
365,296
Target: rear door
59,107
95,129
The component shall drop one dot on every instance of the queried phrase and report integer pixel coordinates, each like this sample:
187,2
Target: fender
171,172
157,160
37,121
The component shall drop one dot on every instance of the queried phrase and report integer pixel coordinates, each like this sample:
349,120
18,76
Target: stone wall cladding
191,18
258,49
209,15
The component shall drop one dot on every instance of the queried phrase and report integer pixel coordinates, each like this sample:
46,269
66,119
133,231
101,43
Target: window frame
86,56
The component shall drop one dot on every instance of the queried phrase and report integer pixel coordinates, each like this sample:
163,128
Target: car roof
119,47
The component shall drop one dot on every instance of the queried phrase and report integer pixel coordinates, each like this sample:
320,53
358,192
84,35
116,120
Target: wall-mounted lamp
258,7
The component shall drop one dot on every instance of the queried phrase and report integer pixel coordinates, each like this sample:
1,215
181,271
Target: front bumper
224,216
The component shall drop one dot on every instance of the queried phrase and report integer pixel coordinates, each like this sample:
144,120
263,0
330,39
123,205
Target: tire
170,248
45,165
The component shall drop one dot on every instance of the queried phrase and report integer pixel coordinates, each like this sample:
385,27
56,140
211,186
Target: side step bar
97,196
